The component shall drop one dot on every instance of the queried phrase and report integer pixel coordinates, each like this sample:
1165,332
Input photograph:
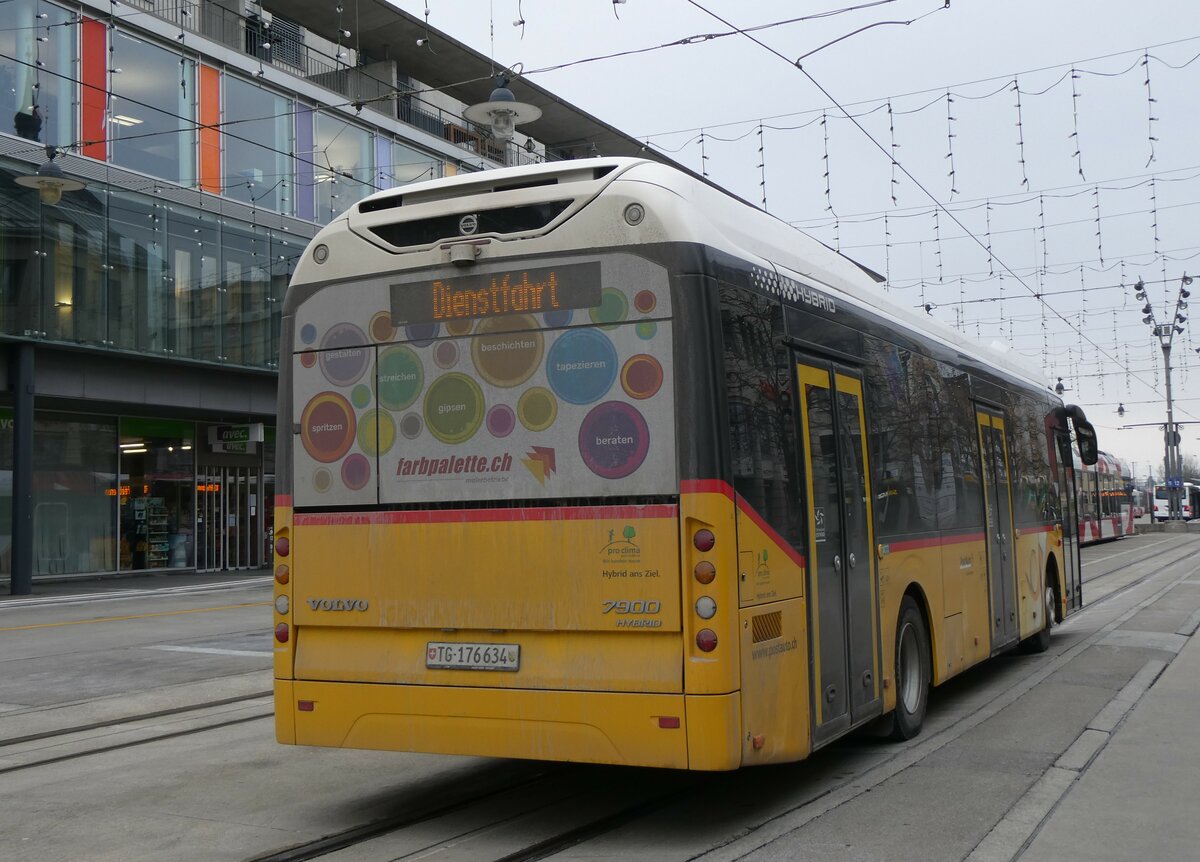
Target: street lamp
501,112
1165,333
50,181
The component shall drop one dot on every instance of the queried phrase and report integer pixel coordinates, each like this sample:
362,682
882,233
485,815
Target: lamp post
1165,333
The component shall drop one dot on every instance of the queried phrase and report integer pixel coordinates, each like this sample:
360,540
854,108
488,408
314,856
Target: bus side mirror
1085,436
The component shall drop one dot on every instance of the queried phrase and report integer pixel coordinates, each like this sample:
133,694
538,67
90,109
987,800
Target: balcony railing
282,46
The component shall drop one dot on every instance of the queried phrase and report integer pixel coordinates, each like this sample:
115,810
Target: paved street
135,725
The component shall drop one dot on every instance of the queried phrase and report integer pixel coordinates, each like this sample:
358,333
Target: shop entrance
230,518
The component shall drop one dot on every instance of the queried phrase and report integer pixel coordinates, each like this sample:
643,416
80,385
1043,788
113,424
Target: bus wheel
1040,642
912,671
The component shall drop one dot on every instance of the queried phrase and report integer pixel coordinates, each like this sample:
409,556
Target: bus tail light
282,575
283,547
706,607
706,640
305,705
705,572
704,540
281,633
668,722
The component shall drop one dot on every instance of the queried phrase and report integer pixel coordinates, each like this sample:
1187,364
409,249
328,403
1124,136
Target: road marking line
134,617
1123,553
213,650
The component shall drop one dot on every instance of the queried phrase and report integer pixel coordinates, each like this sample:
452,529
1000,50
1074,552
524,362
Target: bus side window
758,384
909,466
966,458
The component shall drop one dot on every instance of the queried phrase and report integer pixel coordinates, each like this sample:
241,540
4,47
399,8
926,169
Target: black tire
912,671
1040,642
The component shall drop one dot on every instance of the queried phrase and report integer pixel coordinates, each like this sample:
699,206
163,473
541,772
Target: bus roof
733,226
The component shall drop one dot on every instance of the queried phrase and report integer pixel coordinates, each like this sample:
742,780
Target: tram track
591,827
131,719
362,833
63,737
1175,551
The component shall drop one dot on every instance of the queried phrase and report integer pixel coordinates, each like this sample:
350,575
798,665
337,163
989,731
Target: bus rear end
1187,502
482,540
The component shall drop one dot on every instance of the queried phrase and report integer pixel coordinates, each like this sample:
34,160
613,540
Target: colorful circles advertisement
565,402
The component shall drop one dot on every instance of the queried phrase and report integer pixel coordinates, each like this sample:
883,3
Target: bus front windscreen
493,383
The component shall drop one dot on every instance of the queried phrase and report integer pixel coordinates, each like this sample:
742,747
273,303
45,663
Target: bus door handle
851,560
837,563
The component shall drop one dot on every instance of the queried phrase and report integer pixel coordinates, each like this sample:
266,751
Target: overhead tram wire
1048,293
1026,197
1007,79
700,38
1065,268
796,64
1088,220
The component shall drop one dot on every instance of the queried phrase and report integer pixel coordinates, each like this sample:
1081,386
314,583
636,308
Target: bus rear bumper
589,727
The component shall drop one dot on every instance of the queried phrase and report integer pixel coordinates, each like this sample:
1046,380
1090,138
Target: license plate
463,656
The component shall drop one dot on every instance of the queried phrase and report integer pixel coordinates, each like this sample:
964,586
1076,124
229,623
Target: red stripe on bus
716,486
937,541
283,499
478,516
706,486
784,545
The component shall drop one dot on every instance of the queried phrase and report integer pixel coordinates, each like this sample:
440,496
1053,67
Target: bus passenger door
1070,580
1002,577
843,615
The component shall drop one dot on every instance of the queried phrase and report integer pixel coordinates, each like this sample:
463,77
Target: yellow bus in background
590,461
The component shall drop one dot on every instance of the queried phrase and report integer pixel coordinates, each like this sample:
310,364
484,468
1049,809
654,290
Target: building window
191,283
258,139
152,121
344,173
246,272
138,274
409,166
38,102
74,493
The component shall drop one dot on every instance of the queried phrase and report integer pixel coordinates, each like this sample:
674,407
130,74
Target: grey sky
726,85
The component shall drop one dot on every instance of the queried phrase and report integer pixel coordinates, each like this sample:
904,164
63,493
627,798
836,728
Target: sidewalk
134,583
1143,783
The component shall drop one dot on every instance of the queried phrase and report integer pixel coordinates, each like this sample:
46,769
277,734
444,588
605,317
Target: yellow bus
591,461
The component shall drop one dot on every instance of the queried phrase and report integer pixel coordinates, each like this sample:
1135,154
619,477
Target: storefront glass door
230,519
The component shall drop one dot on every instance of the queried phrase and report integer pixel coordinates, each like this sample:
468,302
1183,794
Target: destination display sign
519,291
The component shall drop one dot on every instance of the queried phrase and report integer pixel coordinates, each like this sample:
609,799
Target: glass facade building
140,316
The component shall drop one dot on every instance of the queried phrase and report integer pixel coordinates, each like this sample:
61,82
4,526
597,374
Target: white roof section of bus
751,233
683,209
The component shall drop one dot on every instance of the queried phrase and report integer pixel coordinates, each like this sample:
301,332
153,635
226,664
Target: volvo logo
468,224
338,604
